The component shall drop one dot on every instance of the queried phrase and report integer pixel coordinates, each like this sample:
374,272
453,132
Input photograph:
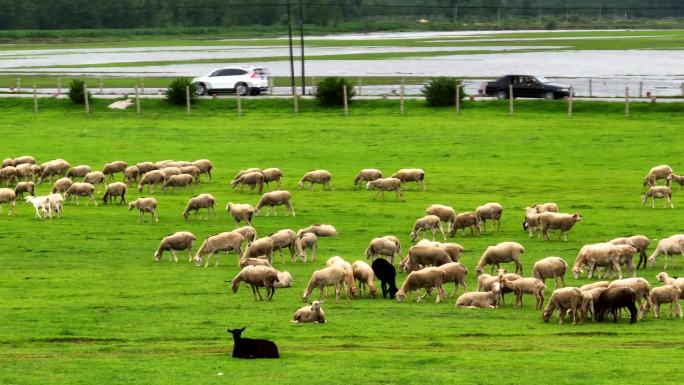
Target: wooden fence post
187,99
18,88
35,99
346,103
59,86
137,99
239,103
591,90
641,88
572,91
360,87
295,98
101,86
510,99
626,102
402,107
458,98
142,85
87,100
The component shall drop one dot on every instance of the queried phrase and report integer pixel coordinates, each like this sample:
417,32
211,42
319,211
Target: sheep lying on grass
309,314
180,240
256,277
476,299
284,280
145,205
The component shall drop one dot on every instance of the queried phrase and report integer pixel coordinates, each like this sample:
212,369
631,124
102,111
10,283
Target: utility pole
301,42
289,35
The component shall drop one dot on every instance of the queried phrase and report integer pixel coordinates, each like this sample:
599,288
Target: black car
526,86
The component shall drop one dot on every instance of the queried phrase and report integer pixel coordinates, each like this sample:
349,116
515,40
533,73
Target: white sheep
284,279
275,198
522,286
365,276
307,241
272,174
322,177
320,230
666,294
492,211
261,247
476,299
655,173
7,195
501,253
668,246
639,242
181,180
248,232
81,189
115,189
285,238
411,175
385,184
383,246
180,240
551,267
658,192
251,179
427,278
151,179
463,221
205,166
257,276
456,273
145,205
367,175
665,279
565,299
226,241
310,314
445,213
555,221
114,167
202,201
428,222
598,254
349,281
328,276
24,187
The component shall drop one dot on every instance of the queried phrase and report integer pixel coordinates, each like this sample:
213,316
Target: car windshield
542,79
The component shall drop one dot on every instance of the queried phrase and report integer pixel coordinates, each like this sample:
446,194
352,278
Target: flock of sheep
428,264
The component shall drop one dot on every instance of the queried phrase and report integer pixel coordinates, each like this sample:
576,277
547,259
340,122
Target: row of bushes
329,92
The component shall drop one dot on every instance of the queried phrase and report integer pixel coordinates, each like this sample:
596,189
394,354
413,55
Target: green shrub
176,94
329,92
76,91
441,91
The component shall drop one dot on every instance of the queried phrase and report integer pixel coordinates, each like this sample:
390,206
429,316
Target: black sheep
251,348
613,299
386,273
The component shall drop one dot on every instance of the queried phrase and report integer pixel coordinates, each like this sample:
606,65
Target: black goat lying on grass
252,348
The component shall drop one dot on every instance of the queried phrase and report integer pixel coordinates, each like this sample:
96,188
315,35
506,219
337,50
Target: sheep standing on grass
385,184
349,273
411,175
367,175
320,230
114,167
272,175
428,278
144,167
658,192
679,179
116,189
8,175
668,246
551,267
79,189
131,175
8,196
226,241
565,299
364,275
665,279
639,242
522,286
24,187
275,198
24,159
252,348
205,166
285,238
666,294
261,247
145,205
240,212
657,172
309,314
328,276
193,171
61,185
322,177
202,201
50,169
151,179
306,241
182,180
45,204
251,179
501,253
7,162
256,277
598,254
555,221
248,232
181,240
463,221
445,213
492,211
428,222
95,178
456,273
383,246
27,171
424,254
476,299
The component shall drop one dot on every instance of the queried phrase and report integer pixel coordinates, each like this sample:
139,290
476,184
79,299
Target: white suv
242,80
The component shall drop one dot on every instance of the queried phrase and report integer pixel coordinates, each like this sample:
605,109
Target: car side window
216,73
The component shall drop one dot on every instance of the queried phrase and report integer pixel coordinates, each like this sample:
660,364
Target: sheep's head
576,272
546,315
577,216
186,214
131,205
373,291
305,295
478,270
652,261
229,205
157,255
354,291
400,295
370,185
315,305
525,225
140,187
661,276
198,260
301,184
644,198
234,286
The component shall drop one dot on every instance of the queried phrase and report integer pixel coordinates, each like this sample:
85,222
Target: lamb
145,167
492,211
642,289
565,299
658,192
262,246
463,221
639,242
501,253
80,189
251,348
329,276
386,273
205,166
485,282
116,189
24,187
79,171
545,207
256,277
363,273
251,179
193,171
322,177
248,232
61,185
319,230
411,175
243,262
383,246
275,198
626,258
668,246
45,204
445,213
284,280
114,167
240,212
151,179
676,178
476,299
57,167
349,273
272,175
426,254
665,279
551,267
202,201
613,299
8,175
182,180
555,221
522,286
666,294
284,239
306,241
181,240
531,222
657,172
367,175
8,196
456,273
131,174
385,184
145,205
427,278
431,222
25,159
309,314
599,254
226,241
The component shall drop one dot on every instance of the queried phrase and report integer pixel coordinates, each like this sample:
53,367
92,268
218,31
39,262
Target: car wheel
501,95
201,89
242,89
255,92
548,95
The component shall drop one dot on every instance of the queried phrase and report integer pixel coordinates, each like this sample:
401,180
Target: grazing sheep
114,167
411,175
428,222
531,222
27,171
594,285
205,166
284,279
181,240
173,181
226,241
476,299
348,270
248,232
424,254
658,192
151,179
7,162
309,314
79,171
24,187
642,289
8,175
256,277
61,185
240,212
202,201
306,241
80,189
262,246
555,221
25,159
501,253
485,282
275,198
284,239
96,178
545,207
57,167
456,273
116,189
463,221
367,175
363,273
243,262
272,175
46,204
427,278
445,213
162,163
522,286
8,196
613,299
246,171
251,179
170,170
252,348
193,171
383,246
666,294
639,242
551,267
565,299
319,230
386,273
145,167
598,254
676,178
322,177
665,279
145,205
626,258
385,184
453,249
492,211
329,276
657,172
668,246
589,297
131,175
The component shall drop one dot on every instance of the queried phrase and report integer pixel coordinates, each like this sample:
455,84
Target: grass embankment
84,301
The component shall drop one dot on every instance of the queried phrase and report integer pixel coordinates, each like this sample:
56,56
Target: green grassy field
84,302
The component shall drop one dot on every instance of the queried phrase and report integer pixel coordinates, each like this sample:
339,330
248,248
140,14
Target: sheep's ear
243,329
